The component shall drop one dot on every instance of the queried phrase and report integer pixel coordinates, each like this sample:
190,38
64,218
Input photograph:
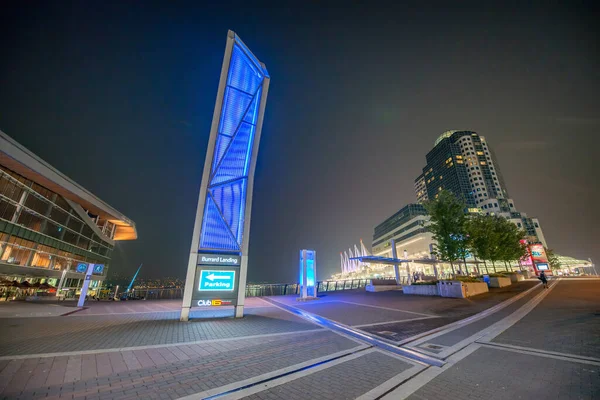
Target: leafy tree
480,229
494,238
512,247
447,224
553,259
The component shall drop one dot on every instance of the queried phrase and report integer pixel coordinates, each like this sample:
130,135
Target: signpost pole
395,257
86,285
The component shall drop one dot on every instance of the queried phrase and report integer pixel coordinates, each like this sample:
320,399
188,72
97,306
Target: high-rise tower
463,163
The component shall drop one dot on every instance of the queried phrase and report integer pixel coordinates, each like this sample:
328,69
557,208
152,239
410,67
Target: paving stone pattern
347,380
567,321
58,334
455,336
167,372
403,330
354,314
498,374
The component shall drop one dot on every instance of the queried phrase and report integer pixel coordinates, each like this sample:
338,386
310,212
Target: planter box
475,288
499,282
422,290
514,278
460,289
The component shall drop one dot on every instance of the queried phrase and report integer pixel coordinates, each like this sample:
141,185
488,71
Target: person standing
544,280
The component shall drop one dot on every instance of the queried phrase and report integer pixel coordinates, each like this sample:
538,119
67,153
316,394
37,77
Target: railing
150,294
282,289
252,290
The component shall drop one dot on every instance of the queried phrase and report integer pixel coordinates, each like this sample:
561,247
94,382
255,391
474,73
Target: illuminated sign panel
308,273
538,254
222,223
219,259
98,269
542,266
82,268
216,281
213,303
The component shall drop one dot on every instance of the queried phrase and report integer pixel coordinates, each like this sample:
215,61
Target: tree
447,224
512,248
480,228
553,259
493,238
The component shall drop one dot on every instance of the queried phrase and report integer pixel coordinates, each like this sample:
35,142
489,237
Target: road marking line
240,391
384,308
315,323
391,383
466,347
412,355
392,322
495,329
442,330
154,346
404,390
543,353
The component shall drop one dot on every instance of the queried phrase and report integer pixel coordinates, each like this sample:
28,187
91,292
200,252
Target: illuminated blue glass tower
223,216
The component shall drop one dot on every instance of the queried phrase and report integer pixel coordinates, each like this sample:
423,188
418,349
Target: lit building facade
421,189
49,224
408,229
463,163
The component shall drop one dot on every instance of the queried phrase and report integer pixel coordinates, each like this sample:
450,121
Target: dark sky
120,98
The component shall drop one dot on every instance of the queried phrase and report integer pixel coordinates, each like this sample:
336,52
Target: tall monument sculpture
218,261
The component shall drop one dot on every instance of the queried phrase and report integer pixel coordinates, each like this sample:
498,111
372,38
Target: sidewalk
141,350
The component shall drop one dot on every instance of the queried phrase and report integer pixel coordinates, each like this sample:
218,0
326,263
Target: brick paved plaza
516,342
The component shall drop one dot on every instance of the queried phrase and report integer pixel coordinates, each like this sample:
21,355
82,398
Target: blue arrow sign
216,281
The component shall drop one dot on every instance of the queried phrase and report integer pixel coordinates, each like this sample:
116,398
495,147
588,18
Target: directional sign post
86,282
216,281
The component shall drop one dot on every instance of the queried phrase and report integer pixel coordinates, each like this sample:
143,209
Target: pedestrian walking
544,280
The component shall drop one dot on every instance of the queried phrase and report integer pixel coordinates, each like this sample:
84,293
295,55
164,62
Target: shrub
497,275
425,283
467,279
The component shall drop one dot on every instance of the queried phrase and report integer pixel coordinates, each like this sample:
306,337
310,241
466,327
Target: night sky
120,98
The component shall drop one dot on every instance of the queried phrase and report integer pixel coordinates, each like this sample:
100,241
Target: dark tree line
457,234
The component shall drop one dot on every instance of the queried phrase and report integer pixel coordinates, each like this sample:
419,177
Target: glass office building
49,224
408,228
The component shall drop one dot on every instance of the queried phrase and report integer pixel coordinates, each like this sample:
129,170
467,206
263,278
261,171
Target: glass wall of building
39,228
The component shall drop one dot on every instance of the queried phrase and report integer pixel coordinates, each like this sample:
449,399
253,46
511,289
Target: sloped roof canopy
17,158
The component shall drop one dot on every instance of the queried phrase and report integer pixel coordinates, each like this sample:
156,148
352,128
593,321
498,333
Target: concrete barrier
514,278
382,288
458,289
382,285
421,290
475,288
499,282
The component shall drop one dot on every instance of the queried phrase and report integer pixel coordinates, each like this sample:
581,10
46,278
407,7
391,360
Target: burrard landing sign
219,259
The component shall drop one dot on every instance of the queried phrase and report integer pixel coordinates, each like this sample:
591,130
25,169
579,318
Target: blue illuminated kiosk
308,275
218,261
